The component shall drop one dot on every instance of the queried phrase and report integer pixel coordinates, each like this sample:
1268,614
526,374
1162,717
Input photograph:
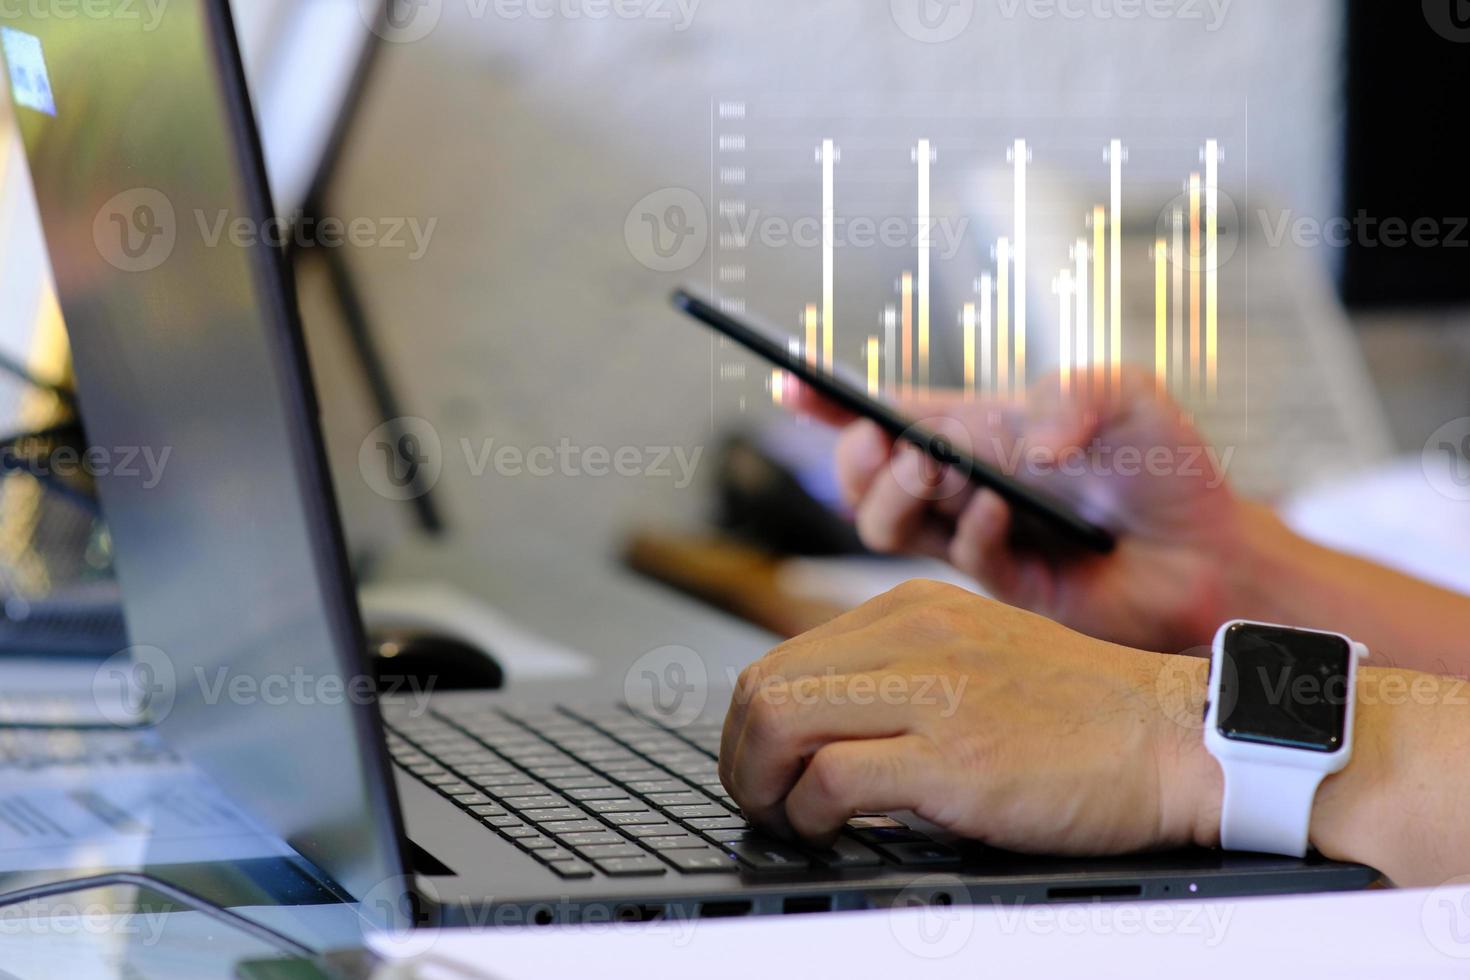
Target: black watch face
1284,687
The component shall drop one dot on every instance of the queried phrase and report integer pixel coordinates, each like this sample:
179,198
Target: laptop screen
194,392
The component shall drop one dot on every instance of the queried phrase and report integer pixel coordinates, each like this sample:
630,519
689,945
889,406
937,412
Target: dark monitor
182,323
1408,69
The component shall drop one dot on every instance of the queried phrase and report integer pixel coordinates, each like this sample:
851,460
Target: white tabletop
1369,934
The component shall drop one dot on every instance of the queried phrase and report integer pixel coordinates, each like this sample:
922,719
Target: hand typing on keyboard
991,722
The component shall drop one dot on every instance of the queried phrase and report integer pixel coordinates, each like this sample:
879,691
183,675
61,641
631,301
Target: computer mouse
413,660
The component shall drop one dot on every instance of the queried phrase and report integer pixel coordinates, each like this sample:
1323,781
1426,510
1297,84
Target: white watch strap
1267,808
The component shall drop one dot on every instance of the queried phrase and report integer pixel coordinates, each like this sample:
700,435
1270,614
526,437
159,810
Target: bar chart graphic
983,255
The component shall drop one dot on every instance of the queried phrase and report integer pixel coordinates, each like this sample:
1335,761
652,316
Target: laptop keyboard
607,791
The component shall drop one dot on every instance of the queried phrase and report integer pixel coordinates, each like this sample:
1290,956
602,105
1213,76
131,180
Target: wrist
1273,567
1191,785
1355,816
1353,813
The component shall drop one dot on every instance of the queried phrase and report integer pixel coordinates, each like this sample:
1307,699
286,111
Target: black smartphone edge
1031,500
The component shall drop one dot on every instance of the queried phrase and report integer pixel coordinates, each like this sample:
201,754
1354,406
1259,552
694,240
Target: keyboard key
630,867
499,780
454,786
519,831
615,806
470,799
498,788
679,842
696,812
701,862
597,793
589,839
488,810
768,856
505,821
597,852
889,835
571,869
559,828
921,855
685,798
656,786
536,842
661,829
533,802
635,819
847,853
549,854
556,815
560,772
718,823
727,834
580,782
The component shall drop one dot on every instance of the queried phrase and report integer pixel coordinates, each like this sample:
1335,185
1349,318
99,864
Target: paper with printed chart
90,818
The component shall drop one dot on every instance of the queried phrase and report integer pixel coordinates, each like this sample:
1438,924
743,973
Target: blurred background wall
529,140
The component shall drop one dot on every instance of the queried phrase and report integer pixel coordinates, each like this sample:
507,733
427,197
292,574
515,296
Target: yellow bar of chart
875,362
1003,318
810,322
1064,341
1176,255
1194,284
922,159
1115,261
1212,271
1161,316
967,329
987,329
829,244
906,290
1099,299
1079,284
1019,259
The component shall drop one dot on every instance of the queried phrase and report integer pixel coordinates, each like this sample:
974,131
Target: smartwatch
1279,720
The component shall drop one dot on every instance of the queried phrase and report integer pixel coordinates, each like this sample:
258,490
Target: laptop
533,805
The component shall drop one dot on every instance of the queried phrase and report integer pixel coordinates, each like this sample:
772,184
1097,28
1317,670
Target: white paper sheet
1365,934
93,818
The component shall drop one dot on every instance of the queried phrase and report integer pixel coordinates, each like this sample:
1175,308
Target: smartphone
1042,519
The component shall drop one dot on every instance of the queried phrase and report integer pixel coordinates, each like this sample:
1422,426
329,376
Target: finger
801,656
788,721
847,778
981,545
822,654
893,512
863,450
982,548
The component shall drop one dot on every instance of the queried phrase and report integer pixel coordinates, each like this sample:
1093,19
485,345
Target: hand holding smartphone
1044,520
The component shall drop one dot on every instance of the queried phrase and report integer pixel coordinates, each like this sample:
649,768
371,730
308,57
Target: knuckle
833,771
768,721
